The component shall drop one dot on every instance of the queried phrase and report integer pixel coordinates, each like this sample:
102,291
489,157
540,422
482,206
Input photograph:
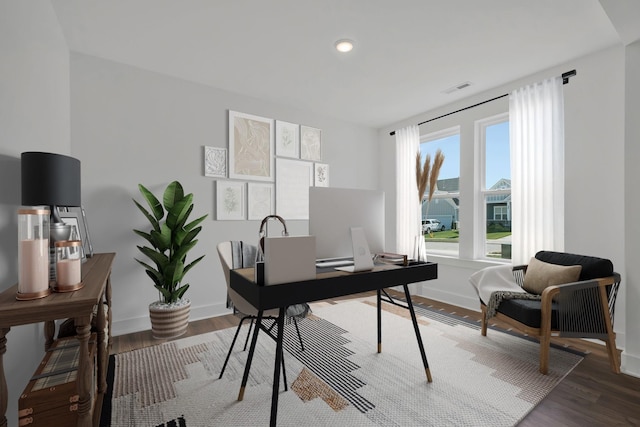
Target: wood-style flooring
591,395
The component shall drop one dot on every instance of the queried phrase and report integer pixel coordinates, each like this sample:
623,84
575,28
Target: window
443,209
496,188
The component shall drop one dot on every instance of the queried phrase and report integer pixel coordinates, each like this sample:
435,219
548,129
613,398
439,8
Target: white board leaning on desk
289,259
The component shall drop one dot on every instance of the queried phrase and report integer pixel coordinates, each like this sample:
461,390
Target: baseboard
142,323
630,364
450,298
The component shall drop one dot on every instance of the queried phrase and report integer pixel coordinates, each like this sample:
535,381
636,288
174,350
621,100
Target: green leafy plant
170,237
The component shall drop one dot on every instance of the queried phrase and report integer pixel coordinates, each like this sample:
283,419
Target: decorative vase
419,249
169,320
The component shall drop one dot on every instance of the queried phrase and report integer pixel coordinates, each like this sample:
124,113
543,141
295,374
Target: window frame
433,136
480,185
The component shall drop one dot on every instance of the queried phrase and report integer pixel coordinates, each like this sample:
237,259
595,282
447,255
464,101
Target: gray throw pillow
541,274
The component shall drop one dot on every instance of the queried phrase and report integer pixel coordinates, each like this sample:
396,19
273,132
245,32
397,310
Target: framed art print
310,143
215,162
230,200
294,177
321,174
287,139
261,200
250,147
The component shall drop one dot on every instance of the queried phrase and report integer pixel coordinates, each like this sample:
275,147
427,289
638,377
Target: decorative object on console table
68,266
53,180
33,253
78,230
426,175
171,238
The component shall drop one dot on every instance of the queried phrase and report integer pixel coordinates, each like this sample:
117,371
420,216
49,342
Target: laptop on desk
362,259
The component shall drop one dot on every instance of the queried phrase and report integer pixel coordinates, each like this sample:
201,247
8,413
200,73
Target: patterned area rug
339,379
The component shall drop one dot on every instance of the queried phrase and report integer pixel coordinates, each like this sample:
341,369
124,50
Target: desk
96,276
329,283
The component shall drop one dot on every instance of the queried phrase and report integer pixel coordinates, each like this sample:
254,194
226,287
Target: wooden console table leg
3,381
49,332
107,296
85,371
102,349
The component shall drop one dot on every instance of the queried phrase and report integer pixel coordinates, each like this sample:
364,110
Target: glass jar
68,265
33,253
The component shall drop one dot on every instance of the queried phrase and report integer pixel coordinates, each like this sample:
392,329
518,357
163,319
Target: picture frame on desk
76,218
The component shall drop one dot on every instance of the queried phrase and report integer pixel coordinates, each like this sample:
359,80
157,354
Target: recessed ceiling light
344,45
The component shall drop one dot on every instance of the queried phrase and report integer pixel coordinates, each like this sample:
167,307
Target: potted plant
170,239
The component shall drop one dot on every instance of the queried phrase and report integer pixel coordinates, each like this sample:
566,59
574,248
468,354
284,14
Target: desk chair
241,305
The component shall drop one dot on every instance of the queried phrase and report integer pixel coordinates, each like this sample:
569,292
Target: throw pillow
542,274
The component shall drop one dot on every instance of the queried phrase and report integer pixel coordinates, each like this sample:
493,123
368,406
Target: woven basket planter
169,320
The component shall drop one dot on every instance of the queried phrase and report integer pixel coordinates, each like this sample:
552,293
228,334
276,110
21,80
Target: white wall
132,126
595,173
34,116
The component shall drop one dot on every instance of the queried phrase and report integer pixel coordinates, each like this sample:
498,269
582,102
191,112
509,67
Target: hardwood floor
591,395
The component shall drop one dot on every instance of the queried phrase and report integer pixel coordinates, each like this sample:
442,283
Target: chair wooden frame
607,289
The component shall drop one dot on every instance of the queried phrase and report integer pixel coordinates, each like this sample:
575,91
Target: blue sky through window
498,162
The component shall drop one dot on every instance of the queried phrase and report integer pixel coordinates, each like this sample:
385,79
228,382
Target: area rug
339,379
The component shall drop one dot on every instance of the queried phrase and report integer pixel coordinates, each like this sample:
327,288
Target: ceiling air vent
457,87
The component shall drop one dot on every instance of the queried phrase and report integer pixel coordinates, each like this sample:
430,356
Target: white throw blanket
494,284
492,279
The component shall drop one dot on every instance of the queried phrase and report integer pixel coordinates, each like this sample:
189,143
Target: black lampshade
50,179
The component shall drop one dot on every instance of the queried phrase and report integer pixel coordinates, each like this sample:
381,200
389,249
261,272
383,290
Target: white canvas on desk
362,260
289,259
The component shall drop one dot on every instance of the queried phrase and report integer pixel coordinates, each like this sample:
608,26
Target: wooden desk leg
85,371
3,381
276,369
379,320
417,331
102,349
252,348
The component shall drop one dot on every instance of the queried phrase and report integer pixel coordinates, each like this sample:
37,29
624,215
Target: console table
329,283
79,305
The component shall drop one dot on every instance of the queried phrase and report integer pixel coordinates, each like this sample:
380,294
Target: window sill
472,264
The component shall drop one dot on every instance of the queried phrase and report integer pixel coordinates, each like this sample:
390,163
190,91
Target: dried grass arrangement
426,174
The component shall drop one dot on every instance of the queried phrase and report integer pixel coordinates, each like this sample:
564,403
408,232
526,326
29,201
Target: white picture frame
215,162
261,200
293,179
230,200
287,139
251,147
78,231
321,174
310,143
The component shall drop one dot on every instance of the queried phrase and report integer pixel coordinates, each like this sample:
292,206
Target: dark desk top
329,283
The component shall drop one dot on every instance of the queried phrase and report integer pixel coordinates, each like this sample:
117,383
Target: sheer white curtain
536,121
407,215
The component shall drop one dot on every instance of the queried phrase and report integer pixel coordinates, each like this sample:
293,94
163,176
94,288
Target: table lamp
52,180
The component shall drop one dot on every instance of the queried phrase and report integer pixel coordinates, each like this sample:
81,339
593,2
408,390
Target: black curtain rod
565,80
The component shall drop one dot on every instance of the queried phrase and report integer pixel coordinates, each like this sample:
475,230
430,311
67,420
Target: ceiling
407,52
